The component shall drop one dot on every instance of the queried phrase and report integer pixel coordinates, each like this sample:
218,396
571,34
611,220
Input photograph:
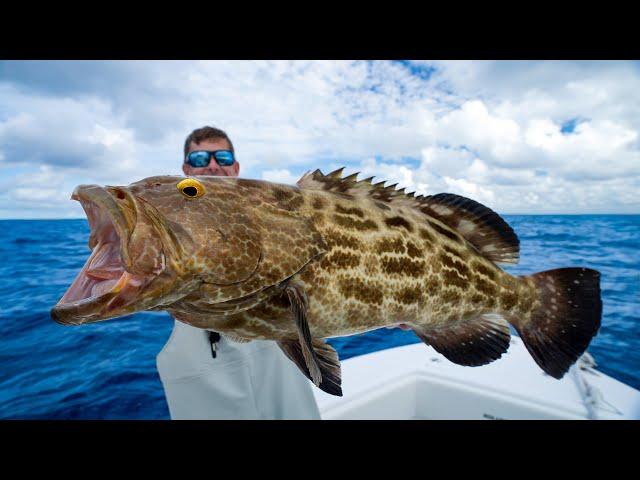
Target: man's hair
206,133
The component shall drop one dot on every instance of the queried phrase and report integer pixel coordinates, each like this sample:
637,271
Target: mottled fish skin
331,256
385,263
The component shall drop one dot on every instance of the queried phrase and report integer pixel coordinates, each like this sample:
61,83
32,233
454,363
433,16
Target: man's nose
213,170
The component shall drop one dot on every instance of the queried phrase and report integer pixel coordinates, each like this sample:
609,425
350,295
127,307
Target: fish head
154,242
168,238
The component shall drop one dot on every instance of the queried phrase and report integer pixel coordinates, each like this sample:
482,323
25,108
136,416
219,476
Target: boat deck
416,382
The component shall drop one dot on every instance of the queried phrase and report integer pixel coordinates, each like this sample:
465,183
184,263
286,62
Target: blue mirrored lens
199,159
224,157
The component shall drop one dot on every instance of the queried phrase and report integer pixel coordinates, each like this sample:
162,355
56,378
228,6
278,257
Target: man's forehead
209,143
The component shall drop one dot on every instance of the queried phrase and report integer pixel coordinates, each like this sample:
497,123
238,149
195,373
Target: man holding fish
297,265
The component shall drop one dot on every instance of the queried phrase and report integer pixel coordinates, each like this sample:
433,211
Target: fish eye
191,188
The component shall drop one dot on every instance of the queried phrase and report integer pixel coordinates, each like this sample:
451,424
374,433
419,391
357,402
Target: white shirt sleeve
253,380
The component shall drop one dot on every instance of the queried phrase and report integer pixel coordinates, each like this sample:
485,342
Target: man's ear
185,169
236,168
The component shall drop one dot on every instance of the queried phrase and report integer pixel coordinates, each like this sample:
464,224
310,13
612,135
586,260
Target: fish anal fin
472,342
483,228
327,359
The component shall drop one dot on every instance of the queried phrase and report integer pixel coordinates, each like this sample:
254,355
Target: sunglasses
202,158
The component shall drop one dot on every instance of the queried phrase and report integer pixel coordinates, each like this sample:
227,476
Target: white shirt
253,380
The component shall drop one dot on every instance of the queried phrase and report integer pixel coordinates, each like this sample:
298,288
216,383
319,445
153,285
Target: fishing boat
414,382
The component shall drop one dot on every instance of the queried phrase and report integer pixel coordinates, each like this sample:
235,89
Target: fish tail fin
560,329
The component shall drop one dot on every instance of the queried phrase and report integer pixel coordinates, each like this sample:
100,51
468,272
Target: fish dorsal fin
349,185
483,228
479,225
335,182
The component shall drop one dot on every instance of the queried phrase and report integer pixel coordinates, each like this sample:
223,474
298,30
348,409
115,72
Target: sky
521,137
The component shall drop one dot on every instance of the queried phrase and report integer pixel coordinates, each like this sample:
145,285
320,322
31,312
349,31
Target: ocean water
107,370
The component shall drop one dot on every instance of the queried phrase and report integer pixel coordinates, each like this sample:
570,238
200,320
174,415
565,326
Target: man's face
213,168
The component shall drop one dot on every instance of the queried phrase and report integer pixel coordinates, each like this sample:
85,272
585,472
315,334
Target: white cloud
489,130
280,176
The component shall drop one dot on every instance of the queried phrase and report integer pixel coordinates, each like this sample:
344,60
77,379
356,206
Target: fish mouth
104,288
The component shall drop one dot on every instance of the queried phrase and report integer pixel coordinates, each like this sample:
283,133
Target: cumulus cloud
280,176
494,131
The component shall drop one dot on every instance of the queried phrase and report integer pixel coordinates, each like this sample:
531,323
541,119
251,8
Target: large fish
329,257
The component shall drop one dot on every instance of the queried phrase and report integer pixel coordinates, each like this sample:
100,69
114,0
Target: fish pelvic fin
568,317
472,342
298,300
317,360
327,359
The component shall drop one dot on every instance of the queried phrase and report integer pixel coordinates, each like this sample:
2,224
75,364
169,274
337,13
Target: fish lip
95,201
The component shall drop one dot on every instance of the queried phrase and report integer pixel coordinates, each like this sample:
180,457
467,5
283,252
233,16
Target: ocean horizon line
511,214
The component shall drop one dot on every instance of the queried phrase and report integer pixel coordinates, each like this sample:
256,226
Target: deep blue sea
107,370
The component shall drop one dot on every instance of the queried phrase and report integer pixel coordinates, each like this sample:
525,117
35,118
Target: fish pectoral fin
298,300
327,361
472,342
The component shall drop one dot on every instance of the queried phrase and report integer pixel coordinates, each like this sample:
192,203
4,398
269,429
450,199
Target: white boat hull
415,382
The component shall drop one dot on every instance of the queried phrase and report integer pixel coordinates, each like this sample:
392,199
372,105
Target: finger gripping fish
332,256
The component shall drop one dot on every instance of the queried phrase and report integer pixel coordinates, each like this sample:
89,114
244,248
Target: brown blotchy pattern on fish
451,296
455,264
489,289
335,238
425,235
318,203
457,253
392,245
350,211
296,202
398,222
430,285
409,295
484,270
508,300
454,278
281,194
338,259
478,299
413,251
365,292
403,266
351,223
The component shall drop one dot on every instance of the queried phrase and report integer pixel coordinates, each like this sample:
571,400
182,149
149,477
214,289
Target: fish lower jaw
102,286
100,274
106,299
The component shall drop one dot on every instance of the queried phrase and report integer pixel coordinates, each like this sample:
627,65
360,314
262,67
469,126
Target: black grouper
329,257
